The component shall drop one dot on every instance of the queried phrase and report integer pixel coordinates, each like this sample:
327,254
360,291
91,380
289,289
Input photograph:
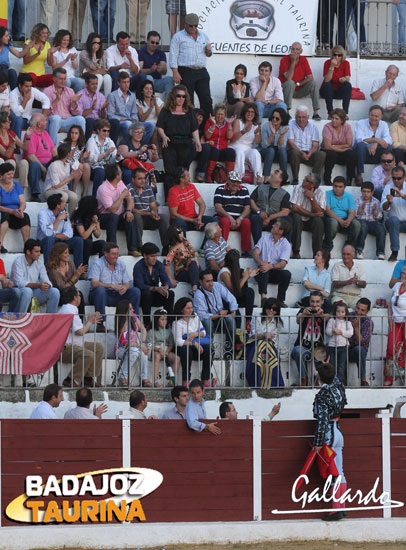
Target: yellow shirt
38,65
398,135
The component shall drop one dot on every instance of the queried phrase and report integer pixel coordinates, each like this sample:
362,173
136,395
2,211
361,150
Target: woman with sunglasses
274,141
263,366
184,257
6,48
39,53
218,132
102,151
336,83
136,155
8,143
178,129
396,346
93,60
337,144
247,134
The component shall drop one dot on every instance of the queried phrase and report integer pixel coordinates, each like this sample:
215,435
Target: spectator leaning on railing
195,410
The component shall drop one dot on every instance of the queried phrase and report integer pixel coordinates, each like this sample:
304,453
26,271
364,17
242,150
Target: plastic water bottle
171,375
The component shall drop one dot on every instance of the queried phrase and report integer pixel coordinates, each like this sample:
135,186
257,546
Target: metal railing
232,358
81,17
365,27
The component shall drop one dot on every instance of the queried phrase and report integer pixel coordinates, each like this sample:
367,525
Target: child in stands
161,338
340,329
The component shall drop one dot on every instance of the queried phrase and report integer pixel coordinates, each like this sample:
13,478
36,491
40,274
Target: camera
313,311
149,146
393,192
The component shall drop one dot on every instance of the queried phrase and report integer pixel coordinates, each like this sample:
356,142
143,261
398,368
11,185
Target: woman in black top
237,92
178,128
86,224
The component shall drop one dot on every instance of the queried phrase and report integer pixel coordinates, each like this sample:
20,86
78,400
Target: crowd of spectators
114,138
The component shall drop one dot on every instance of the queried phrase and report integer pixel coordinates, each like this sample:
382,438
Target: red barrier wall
206,477
285,446
398,463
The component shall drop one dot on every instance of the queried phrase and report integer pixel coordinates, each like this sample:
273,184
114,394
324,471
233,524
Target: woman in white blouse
102,151
65,56
247,133
191,341
149,106
59,175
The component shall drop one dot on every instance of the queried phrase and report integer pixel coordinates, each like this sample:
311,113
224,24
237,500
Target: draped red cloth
31,343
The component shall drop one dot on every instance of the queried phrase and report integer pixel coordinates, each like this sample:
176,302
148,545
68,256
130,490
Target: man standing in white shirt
267,91
50,401
123,57
29,275
388,94
85,357
84,399
21,101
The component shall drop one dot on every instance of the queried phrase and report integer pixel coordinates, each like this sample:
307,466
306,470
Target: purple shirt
273,252
86,101
366,327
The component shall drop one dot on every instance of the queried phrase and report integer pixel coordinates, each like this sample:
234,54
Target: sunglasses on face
105,131
337,54
180,95
397,179
152,42
192,25
386,161
44,145
275,118
273,308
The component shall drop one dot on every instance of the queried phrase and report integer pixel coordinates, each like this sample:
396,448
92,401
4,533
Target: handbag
203,340
356,93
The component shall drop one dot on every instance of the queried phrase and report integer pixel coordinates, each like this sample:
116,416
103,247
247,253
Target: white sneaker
360,255
381,256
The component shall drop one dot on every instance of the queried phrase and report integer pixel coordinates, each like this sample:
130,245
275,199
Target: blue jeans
402,21
394,226
122,126
270,153
10,296
16,18
358,354
188,226
374,228
301,356
163,85
75,246
202,159
266,109
49,297
11,75
331,226
34,175
18,124
338,358
135,80
257,228
363,157
103,15
76,84
328,93
97,175
112,222
56,123
101,297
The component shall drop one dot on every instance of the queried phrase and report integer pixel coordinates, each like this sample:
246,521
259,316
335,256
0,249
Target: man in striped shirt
232,204
369,214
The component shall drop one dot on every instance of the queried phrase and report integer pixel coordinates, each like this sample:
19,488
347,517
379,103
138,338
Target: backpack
219,174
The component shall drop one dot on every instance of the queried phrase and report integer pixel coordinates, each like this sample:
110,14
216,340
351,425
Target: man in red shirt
181,201
297,79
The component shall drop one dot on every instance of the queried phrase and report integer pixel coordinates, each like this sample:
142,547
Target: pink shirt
343,137
107,194
41,146
64,106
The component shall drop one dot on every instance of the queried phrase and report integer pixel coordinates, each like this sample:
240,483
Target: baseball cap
235,176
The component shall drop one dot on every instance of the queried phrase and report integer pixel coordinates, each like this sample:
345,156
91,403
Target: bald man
297,79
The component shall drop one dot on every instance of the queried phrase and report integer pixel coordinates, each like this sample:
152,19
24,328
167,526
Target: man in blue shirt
111,283
340,215
153,63
216,307
397,272
54,226
147,274
195,409
187,58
